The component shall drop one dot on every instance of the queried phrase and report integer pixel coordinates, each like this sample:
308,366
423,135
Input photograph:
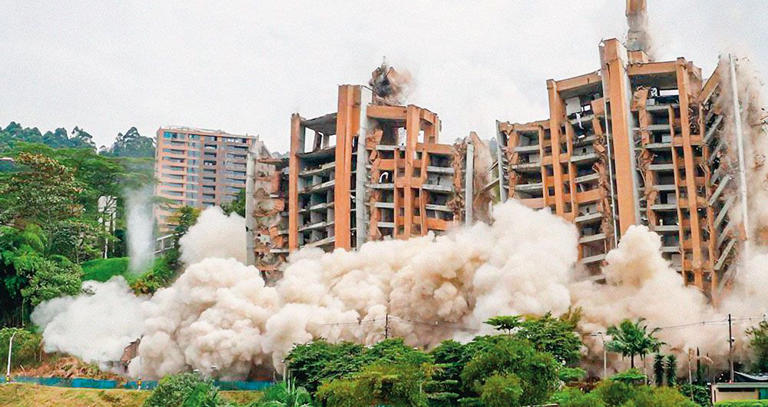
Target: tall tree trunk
632,361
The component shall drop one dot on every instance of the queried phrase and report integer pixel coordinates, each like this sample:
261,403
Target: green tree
556,336
501,391
572,397
28,276
132,144
506,323
398,384
633,339
237,205
310,364
670,367
658,369
536,371
43,192
758,342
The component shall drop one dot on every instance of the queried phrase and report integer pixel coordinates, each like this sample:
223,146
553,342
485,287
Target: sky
245,66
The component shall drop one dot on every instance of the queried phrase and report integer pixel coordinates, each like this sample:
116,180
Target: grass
104,269
31,395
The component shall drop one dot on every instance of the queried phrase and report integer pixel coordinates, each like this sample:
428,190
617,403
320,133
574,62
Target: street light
605,354
8,369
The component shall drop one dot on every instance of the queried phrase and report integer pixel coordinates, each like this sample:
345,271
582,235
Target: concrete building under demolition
635,142
372,170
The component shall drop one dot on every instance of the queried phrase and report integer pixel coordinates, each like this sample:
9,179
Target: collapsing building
372,170
636,142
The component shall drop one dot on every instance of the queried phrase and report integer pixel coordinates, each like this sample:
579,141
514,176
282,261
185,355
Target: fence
145,384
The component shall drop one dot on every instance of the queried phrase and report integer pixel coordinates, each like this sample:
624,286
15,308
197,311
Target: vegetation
43,396
758,341
285,394
103,269
632,339
620,393
26,345
742,403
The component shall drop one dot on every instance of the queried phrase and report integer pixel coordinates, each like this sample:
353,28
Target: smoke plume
140,228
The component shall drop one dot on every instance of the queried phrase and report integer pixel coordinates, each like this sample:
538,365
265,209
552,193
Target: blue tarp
145,385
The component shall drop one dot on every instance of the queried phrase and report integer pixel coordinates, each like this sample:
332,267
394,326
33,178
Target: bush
571,397
742,403
184,390
25,347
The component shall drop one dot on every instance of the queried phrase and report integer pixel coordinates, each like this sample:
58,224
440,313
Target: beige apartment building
198,168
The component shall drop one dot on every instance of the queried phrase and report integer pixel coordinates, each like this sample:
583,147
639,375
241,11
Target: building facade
198,168
371,170
636,142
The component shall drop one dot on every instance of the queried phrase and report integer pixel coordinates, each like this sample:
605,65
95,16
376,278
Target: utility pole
605,354
730,346
8,369
386,325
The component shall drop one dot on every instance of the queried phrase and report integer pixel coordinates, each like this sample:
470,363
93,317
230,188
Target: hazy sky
245,66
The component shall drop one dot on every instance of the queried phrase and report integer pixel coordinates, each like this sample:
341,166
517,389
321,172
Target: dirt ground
30,395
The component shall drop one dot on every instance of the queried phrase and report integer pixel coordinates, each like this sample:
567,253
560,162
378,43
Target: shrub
742,403
184,390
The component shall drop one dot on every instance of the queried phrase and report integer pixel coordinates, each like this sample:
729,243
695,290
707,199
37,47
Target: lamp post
8,368
605,353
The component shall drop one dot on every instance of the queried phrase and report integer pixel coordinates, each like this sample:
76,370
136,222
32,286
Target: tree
506,323
758,342
237,205
670,367
554,335
28,276
658,369
310,364
536,371
501,391
632,339
132,144
398,384
43,192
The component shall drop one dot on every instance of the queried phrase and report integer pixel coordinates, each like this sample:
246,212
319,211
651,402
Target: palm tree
633,339
286,394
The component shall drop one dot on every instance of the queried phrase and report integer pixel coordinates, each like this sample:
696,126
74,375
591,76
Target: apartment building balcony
584,158
670,249
529,188
320,170
658,146
526,167
666,228
437,188
589,218
587,178
592,238
660,207
381,186
665,187
662,167
439,170
322,242
527,149
439,208
581,141
319,187
316,226
593,259
321,207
